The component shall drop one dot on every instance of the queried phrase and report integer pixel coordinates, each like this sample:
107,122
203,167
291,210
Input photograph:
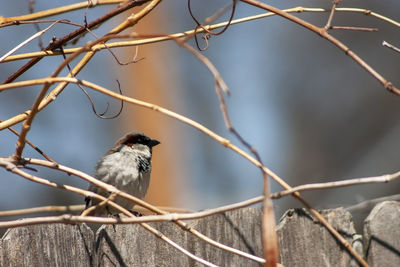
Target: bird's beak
154,142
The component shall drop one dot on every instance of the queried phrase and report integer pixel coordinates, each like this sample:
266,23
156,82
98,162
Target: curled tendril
205,37
100,115
209,33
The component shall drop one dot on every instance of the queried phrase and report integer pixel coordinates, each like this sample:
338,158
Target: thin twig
349,28
68,218
19,22
28,122
36,35
329,185
55,11
32,145
68,208
329,22
384,43
368,12
81,207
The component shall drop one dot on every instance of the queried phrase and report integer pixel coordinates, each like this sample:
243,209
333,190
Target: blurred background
313,114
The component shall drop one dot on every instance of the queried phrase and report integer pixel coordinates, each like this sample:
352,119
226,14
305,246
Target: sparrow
127,166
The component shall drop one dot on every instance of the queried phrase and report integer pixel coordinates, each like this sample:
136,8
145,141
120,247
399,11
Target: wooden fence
303,241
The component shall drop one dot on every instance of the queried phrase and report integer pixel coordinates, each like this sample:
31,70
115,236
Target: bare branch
36,35
75,208
349,28
333,9
56,11
357,181
69,208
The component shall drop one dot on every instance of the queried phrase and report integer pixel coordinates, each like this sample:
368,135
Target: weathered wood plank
240,229
131,245
305,242
382,235
47,245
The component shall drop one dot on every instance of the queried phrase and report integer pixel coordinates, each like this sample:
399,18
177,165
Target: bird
127,166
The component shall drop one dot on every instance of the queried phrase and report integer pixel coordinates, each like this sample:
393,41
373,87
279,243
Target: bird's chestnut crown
139,138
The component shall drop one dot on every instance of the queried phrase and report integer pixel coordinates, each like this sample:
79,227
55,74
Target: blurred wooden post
151,80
